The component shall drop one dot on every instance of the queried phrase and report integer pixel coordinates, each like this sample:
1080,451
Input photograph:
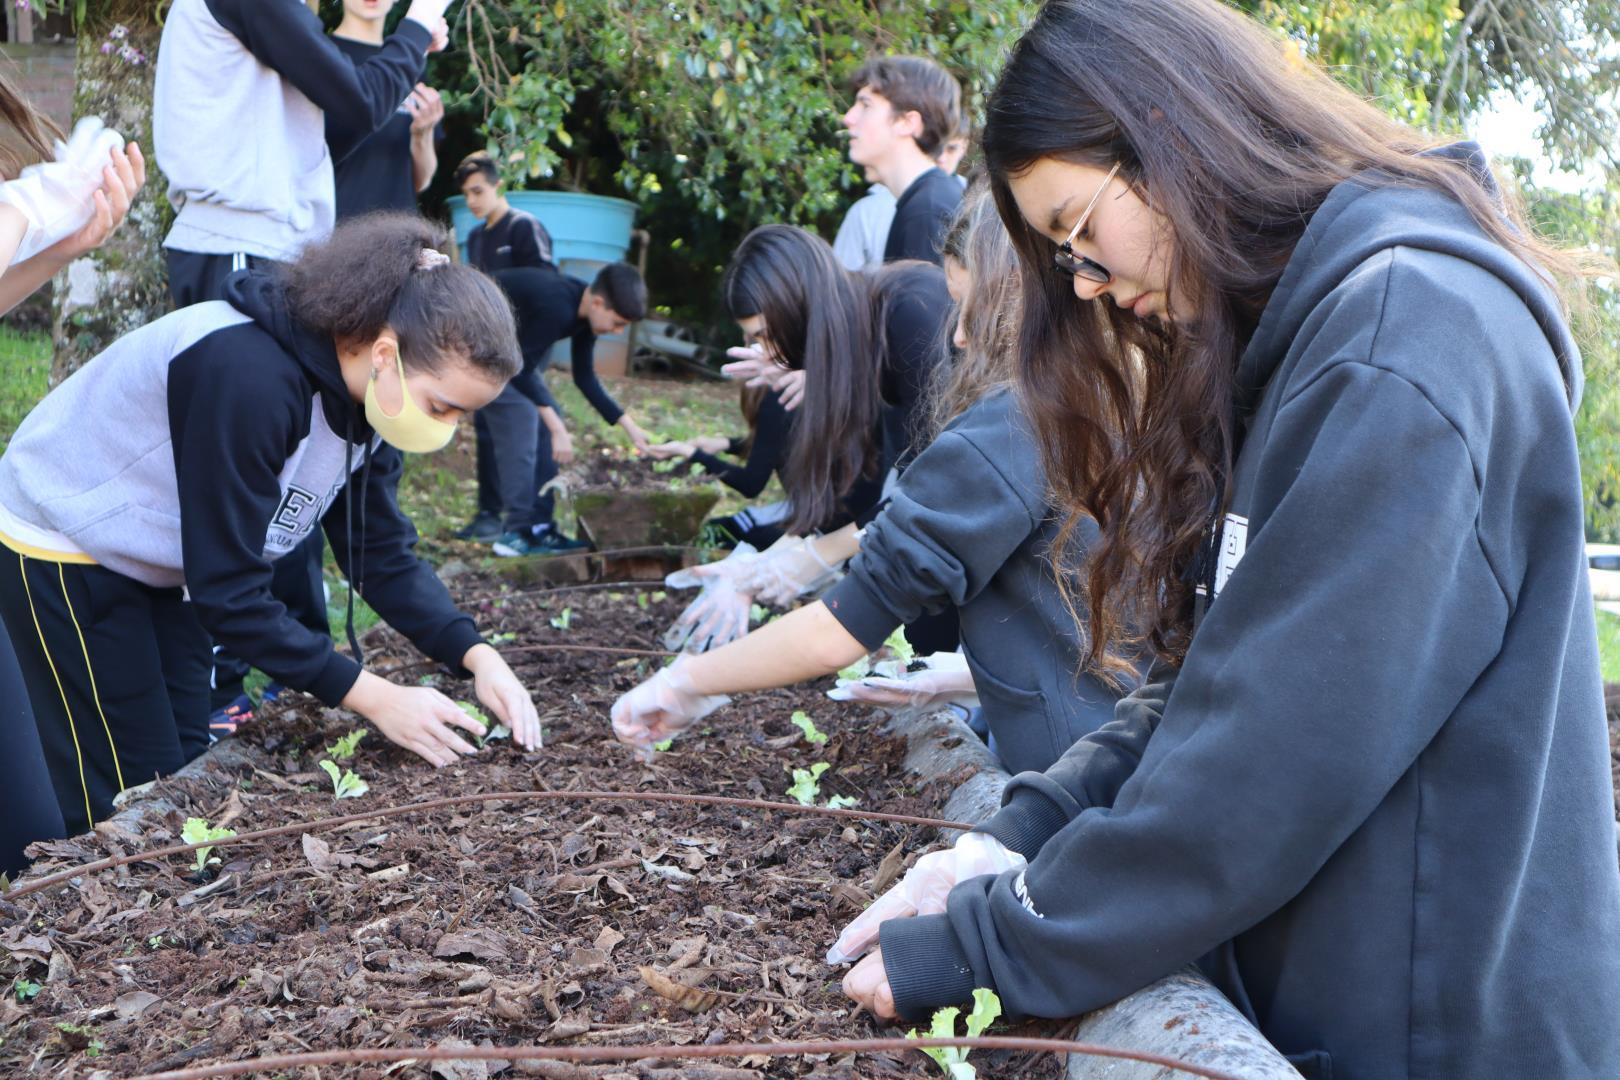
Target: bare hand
562,448
502,694
672,449
441,37
868,983
638,438
753,364
426,108
120,181
417,718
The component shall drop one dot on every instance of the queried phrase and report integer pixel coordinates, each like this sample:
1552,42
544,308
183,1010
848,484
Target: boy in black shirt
387,170
527,438
906,108
504,237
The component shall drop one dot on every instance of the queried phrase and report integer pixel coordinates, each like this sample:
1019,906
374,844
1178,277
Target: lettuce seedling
563,621
897,644
857,671
953,1059
346,786
504,638
842,802
802,721
663,747
805,789
345,747
196,831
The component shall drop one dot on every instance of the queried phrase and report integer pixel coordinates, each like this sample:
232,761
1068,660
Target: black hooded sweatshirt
1375,800
201,447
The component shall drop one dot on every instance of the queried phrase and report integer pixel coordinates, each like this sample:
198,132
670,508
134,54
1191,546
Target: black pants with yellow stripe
117,673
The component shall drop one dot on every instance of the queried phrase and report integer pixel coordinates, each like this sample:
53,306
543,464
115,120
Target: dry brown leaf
135,1003
608,939
319,854
481,944
690,998
888,871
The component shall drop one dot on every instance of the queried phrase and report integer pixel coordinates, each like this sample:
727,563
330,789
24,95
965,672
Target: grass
25,369
1608,626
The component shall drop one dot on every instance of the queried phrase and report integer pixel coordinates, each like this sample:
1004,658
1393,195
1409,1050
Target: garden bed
490,923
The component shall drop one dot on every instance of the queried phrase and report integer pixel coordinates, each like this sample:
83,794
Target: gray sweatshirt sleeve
1361,614
955,518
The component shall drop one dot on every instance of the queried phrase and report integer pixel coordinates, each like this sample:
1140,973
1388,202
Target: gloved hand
789,569
659,708
924,888
58,197
947,681
720,613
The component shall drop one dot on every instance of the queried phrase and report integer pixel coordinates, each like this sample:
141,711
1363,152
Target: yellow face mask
412,430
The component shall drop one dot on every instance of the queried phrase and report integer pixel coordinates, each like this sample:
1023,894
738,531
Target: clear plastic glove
924,888
720,613
789,569
947,681
660,708
58,197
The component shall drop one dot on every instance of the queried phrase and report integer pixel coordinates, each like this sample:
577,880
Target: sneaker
222,722
550,542
485,527
272,692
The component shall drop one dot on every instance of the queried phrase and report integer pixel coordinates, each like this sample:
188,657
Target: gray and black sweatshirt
203,446
968,527
1375,800
248,94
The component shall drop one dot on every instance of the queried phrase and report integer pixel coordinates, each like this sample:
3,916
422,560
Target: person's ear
909,123
384,352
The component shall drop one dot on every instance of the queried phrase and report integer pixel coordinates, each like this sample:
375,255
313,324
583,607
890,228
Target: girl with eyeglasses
1311,374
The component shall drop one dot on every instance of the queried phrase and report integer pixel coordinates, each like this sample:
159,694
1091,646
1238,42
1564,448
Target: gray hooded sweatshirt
1375,800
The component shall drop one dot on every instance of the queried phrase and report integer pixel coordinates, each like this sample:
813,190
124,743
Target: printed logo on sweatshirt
1021,891
289,515
1234,539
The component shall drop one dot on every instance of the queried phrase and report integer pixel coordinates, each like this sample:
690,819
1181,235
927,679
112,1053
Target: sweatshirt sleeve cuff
415,33
452,644
859,611
332,685
925,965
1029,817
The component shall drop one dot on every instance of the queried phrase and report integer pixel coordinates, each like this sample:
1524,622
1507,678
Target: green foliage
899,647
663,747
842,802
25,369
563,621
475,712
952,1060
25,989
197,831
347,785
1608,626
344,748
802,721
805,789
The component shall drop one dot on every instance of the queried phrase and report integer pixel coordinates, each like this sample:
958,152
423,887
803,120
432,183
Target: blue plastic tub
588,229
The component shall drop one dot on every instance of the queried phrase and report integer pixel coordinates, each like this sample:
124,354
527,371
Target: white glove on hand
57,197
947,681
720,613
924,888
789,569
659,708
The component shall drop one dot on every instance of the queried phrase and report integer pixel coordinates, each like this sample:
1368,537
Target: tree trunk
124,284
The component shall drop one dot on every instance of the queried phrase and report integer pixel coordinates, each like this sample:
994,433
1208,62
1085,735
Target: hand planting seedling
345,747
491,731
196,831
347,785
563,621
802,721
952,1060
805,789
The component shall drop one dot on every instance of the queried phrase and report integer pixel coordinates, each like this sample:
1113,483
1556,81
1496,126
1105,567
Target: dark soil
618,472
1611,701
497,923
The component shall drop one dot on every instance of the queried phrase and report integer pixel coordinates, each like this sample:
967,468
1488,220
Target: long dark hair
33,128
978,242
1235,141
367,276
823,319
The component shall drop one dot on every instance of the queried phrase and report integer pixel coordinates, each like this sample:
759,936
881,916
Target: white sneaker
57,197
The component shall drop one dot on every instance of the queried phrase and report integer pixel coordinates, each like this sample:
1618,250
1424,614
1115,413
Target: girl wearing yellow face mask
143,502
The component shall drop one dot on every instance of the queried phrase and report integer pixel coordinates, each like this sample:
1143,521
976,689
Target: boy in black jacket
527,438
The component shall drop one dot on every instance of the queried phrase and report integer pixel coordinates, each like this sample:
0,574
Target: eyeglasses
1079,265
